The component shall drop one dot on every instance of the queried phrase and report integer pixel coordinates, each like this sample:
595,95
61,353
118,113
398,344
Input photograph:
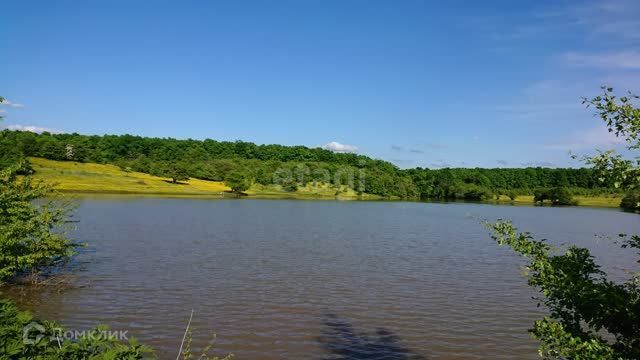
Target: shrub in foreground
31,232
590,316
21,337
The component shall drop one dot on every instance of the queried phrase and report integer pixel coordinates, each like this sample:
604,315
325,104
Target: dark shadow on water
343,342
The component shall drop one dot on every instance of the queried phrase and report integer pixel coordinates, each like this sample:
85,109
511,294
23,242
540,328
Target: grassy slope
599,201
96,178
109,179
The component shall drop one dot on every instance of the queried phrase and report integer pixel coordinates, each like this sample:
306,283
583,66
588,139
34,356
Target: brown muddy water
278,279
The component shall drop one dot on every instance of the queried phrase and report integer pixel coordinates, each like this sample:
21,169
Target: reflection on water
263,275
343,342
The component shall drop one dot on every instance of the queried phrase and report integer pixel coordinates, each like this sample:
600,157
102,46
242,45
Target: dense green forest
290,166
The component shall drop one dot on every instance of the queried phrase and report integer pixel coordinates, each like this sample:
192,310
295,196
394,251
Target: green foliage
290,185
623,119
96,344
470,192
176,171
583,303
557,196
31,233
237,181
591,317
213,160
631,202
512,194
450,183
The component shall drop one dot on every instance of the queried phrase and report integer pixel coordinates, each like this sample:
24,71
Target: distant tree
557,196
290,185
512,194
238,181
177,172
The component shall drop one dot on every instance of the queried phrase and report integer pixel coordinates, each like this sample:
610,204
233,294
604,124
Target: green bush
238,181
631,202
557,196
290,185
31,233
470,192
42,343
583,302
512,194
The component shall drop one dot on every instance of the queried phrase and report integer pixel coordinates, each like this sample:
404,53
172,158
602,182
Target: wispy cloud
620,18
596,137
502,162
31,128
546,100
398,148
617,22
538,164
615,59
341,148
11,104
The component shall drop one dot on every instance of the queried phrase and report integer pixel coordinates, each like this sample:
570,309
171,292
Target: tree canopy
290,166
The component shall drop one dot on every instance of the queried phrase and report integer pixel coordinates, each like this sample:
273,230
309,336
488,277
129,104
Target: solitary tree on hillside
177,172
237,181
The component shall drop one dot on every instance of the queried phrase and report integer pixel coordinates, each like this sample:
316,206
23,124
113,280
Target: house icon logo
32,333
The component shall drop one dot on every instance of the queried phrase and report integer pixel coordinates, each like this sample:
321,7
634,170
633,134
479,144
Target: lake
280,279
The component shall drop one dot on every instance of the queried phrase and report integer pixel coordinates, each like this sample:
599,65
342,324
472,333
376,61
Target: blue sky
418,83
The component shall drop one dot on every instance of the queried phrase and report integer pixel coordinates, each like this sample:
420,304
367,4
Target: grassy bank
86,178
596,201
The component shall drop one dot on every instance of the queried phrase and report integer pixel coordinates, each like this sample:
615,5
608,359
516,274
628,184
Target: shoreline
583,201
89,179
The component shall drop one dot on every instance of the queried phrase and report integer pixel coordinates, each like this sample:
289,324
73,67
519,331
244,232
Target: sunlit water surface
315,279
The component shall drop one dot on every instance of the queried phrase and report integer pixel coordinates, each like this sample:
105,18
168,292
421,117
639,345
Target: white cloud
11,104
31,128
597,137
338,147
620,59
547,164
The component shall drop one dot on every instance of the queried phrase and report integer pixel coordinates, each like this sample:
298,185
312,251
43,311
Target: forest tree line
291,166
